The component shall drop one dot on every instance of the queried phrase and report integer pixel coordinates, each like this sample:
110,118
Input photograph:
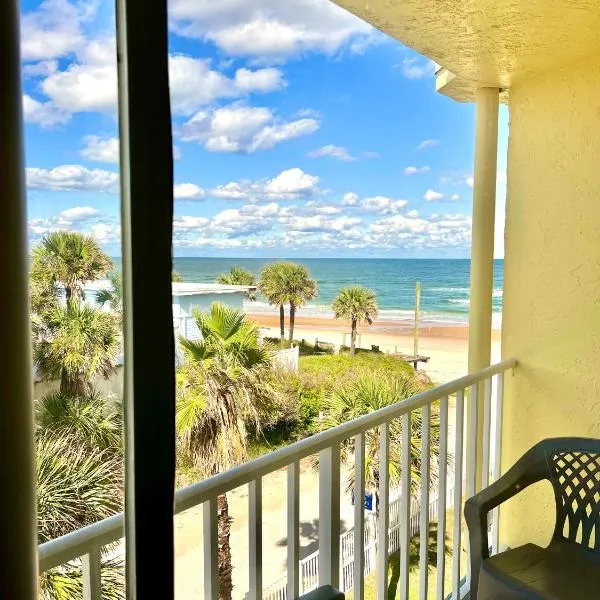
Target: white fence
309,566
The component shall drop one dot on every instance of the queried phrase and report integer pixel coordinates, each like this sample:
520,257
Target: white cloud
319,223
72,178
247,220
382,205
290,184
412,214
470,181
417,68
54,29
244,129
455,197
106,233
416,170
43,113
40,69
270,30
337,152
187,191
427,144
101,149
432,196
89,83
350,199
187,223
78,213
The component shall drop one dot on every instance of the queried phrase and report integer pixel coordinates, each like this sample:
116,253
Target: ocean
444,284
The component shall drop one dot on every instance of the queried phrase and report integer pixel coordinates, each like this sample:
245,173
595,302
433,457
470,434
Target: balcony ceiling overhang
493,43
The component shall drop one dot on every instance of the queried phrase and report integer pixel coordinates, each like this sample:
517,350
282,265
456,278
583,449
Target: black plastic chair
569,568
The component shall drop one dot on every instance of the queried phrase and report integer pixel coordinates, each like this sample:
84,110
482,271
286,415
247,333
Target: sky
299,130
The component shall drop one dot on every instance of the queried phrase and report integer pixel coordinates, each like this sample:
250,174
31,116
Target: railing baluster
472,422
405,506
329,516
497,455
485,457
458,464
293,530
359,515
442,469
91,565
383,510
211,547
255,538
424,509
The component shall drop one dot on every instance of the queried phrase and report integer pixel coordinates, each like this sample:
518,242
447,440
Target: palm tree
286,282
239,276
356,304
272,287
76,487
366,394
75,343
93,420
225,385
112,296
70,259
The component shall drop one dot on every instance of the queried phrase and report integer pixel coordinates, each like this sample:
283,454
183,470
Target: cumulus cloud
416,170
427,144
382,205
290,184
72,178
79,213
269,31
187,191
54,29
243,129
337,152
417,68
470,181
101,149
431,195
185,223
43,113
89,82
455,197
350,199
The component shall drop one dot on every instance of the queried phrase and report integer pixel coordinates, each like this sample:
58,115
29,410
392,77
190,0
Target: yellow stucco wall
551,321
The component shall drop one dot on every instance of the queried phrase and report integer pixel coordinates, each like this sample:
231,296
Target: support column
482,245
18,524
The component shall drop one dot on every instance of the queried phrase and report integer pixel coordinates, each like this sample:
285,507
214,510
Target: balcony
344,560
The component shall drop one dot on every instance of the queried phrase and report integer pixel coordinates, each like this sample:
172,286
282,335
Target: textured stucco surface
489,43
551,320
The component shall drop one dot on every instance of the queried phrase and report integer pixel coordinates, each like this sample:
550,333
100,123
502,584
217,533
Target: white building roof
194,289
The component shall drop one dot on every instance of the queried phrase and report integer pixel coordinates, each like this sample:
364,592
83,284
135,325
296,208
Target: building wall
551,320
111,387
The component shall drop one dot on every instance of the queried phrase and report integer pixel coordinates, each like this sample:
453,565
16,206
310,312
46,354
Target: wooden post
417,318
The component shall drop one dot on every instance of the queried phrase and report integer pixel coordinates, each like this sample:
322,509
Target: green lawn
414,576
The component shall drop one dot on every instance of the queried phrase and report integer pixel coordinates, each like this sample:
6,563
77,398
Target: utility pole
417,317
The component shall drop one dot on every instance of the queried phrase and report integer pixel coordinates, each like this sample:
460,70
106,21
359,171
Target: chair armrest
529,469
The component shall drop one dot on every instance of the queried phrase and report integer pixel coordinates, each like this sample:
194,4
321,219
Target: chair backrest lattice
575,476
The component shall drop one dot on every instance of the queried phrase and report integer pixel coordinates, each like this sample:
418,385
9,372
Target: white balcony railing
332,563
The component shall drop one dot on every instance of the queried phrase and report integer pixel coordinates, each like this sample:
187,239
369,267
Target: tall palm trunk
281,323
224,553
353,338
292,320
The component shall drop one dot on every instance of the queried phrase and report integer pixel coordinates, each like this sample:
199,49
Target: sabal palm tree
93,419
70,259
239,276
76,487
366,394
357,305
75,343
112,296
284,283
225,384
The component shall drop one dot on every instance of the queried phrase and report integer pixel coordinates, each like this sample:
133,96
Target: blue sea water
444,283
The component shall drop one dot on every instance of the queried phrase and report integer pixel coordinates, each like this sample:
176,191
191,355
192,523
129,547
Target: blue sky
298,129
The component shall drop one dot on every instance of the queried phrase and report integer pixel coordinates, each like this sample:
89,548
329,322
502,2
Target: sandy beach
446,345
